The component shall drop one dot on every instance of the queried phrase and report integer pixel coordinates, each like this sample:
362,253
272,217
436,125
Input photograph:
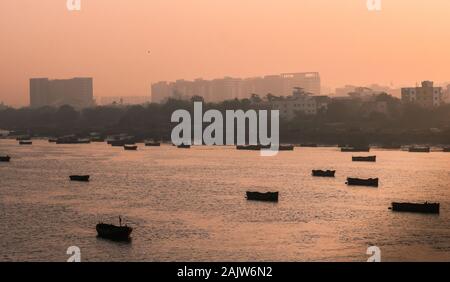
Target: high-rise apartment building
76,92
230,88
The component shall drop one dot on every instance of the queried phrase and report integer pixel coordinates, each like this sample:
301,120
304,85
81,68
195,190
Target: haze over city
136,43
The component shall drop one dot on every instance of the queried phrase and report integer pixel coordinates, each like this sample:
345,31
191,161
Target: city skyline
137,44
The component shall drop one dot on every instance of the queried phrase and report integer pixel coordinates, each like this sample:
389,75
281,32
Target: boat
416,207
323,173
152,144
355,149
97,139
82,178
365,159
446,150
311,145
5,159
391,147
252,147
71,140
25,142
113,232
419,149
265,197
373,182
52,140
286,148
183,146
130,147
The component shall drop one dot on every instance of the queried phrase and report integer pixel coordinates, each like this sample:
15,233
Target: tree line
346,121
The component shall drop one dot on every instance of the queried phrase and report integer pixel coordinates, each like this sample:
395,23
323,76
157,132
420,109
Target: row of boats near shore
123,140
122,233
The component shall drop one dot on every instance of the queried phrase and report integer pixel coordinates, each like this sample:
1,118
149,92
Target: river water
189,204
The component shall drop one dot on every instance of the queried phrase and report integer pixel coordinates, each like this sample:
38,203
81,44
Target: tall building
230,88
426,96
76,92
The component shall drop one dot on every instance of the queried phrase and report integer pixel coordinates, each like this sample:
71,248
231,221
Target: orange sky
408,41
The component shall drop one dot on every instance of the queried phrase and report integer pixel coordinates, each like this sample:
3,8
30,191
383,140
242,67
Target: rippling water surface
189,205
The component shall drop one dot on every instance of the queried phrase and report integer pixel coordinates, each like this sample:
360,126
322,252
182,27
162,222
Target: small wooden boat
152,144
286,148
183,146
113,232
5,159
52,140
373,182
446,150
130,147
365,159
97,139
25,142
391,147
323,173
252,147
82,178
419,149
310,145
415,207
355,149
265,197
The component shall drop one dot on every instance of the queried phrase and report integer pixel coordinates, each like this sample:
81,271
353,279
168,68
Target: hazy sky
408,41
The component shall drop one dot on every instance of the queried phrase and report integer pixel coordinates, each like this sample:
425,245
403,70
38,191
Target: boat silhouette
130,147
355,149
183,146
373,182
419,149
25,142
5,158
113,232
365,159
416,207
82,178
265,197
323,173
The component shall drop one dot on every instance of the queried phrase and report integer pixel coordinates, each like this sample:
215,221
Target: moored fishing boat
265,197
25,142
252,147
184,146
82,178
5,158
355,149
323,173
152,144
113,232
130,147
446,149
310,145
372,182
416,207
365,159
415,149
286,148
